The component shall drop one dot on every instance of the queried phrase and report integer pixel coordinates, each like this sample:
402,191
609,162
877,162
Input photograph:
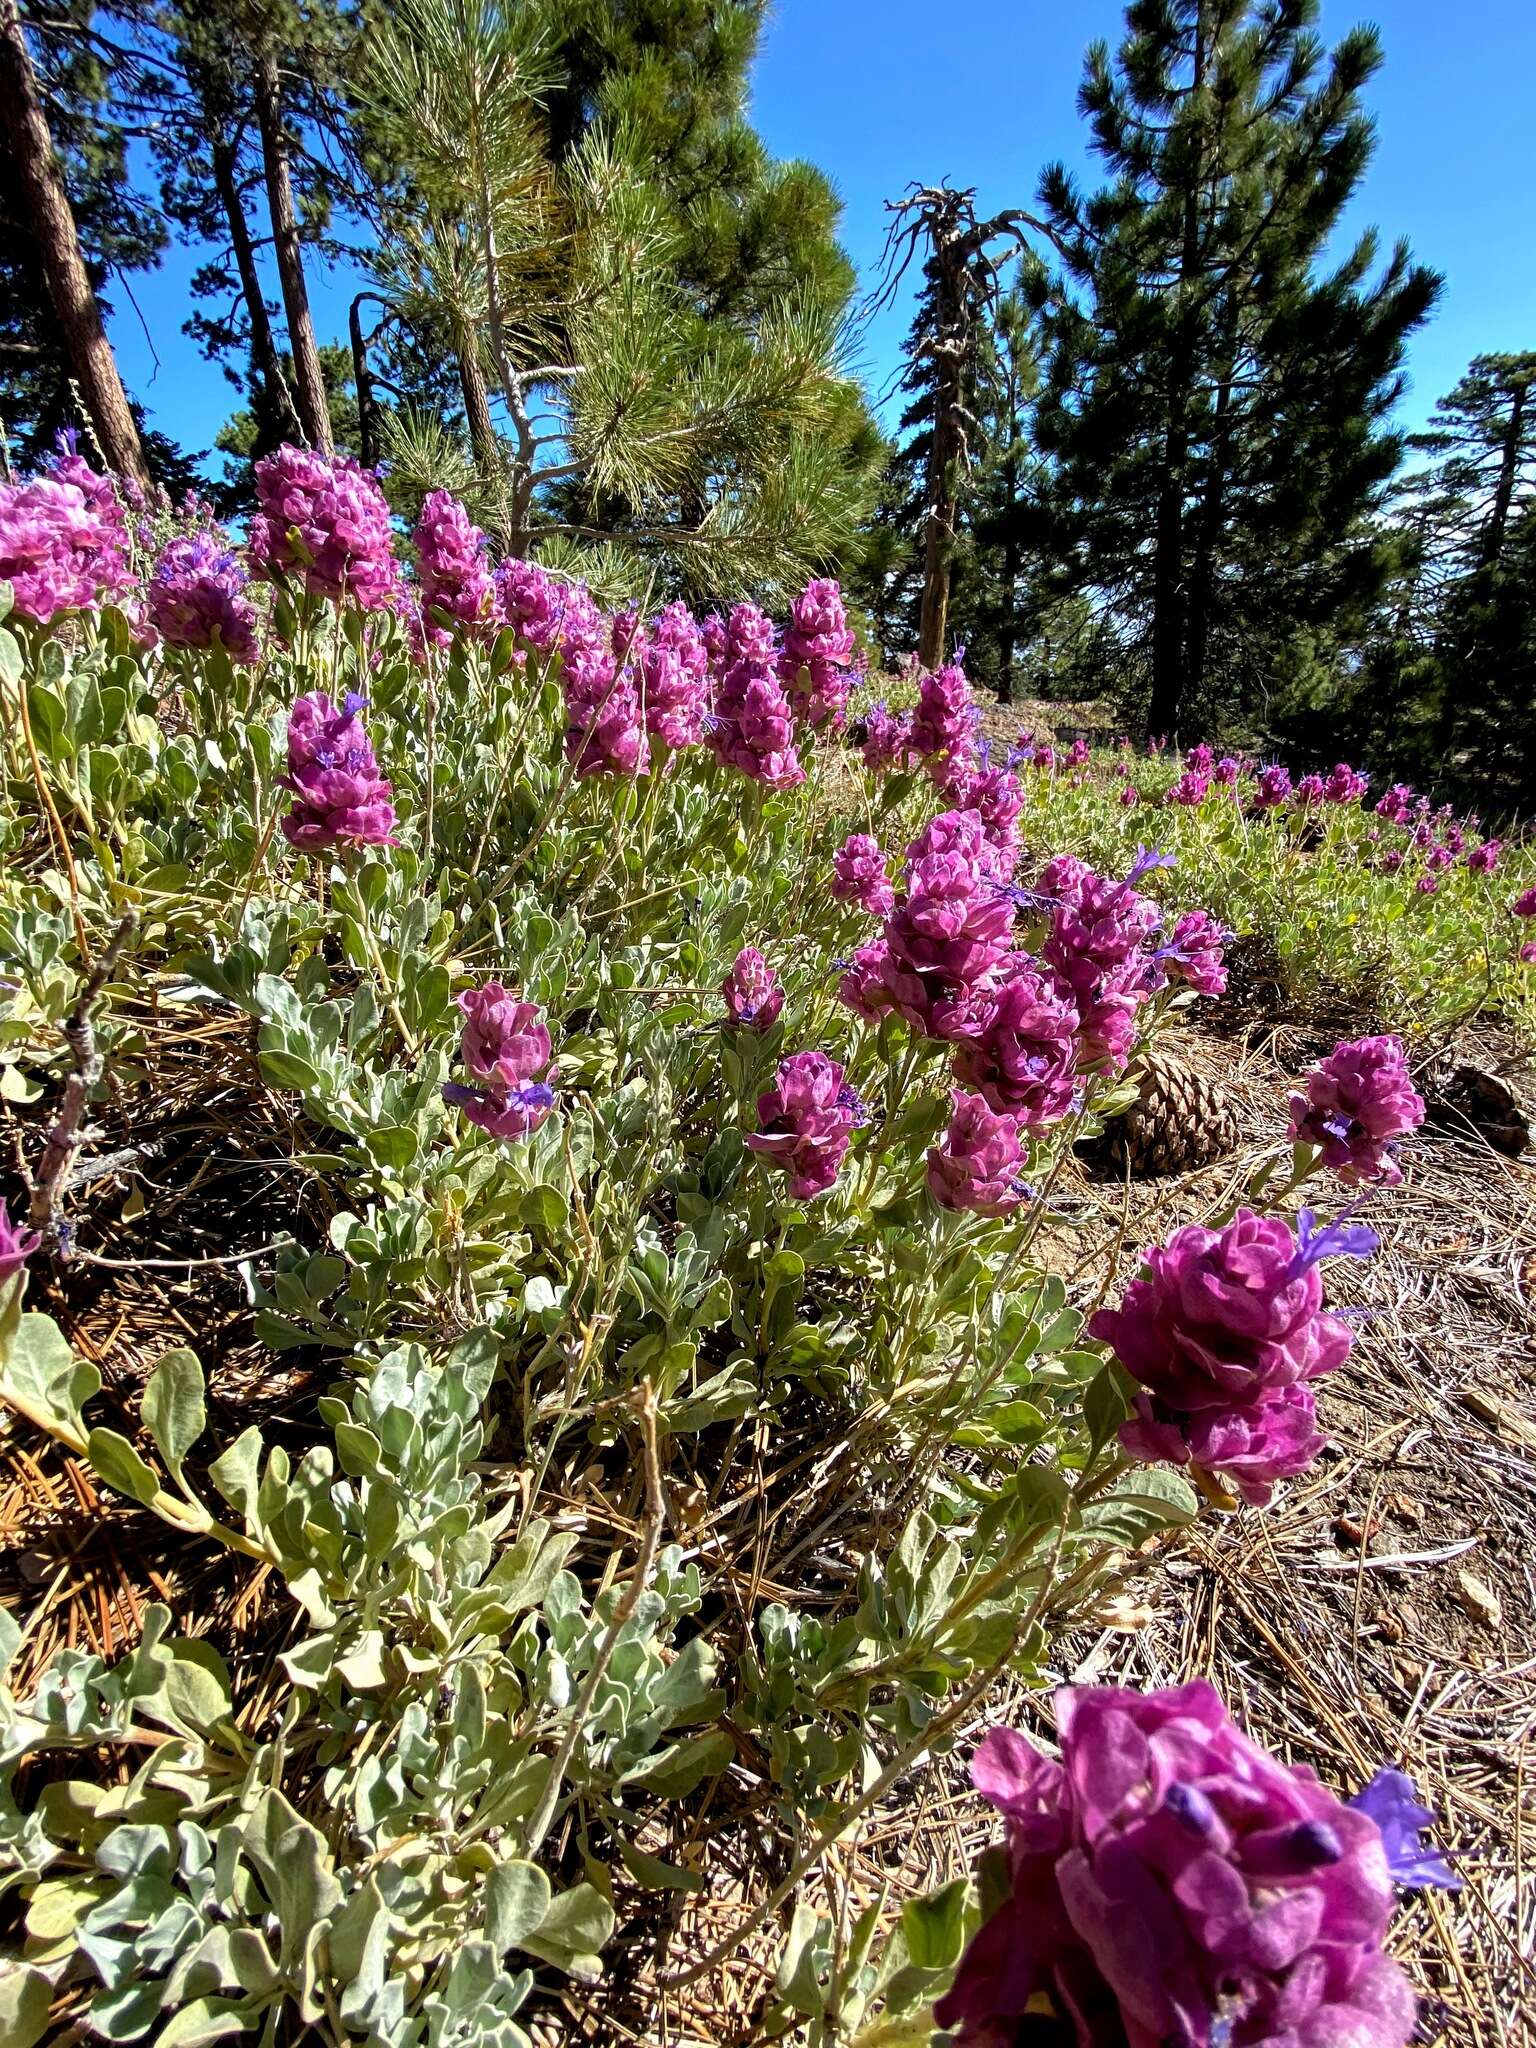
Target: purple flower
16,1246
1310,790
804,1122
753,993
675,669
605,732
977,1165
63,543
505,1040
818,648
341,799
887,739
997,797
1358,1100
1195,953
1396,806
1345,785
1097,946
1272,788
1021,1051
1129,795
197,596
1524,904
1392,1802
505,1044
1427,884
324,521
530,601
944,729
1227,771
1482,860
862,986
858,875
506,1113
754,728
456,582
1190,789
952,926
1169,1882
1201,759
1221,1323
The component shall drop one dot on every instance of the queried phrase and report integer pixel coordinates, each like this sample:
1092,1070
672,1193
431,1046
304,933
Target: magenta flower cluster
529,602
859,876
1099,945
1224,1331
340,799
887,741
815,663
323,523
505,1044
943,731
457,587
197,596
754,726
1170,1882
952,926
599,670
1020,1048
63,542
675,669
754,995
1357,1103
806,1121
978,1164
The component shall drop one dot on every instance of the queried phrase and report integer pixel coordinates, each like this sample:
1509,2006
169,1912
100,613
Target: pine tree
1217,404
67,221
714,445
1480,467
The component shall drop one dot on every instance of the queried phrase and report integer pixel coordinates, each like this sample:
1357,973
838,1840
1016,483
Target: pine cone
1180,1120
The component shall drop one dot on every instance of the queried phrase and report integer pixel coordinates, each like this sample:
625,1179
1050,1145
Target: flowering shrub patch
1393,903
685,1074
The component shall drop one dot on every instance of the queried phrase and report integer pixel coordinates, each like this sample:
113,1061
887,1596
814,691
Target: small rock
1480,1601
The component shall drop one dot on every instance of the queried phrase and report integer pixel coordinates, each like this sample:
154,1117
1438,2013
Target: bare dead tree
964,262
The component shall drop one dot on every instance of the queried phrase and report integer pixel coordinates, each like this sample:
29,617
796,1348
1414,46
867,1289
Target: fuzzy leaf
116,1461
517,1899
173,1408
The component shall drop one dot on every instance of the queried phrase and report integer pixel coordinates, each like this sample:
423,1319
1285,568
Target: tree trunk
367,403
1169,590
1504,490
1212,506
1007,630
51,222
939,535
477,403
314,414
273,399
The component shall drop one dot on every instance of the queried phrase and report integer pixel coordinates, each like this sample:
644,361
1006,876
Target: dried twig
53,1172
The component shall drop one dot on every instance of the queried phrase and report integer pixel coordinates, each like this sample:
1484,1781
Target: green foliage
1215,414
495,1725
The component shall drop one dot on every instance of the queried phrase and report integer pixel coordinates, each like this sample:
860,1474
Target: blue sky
983,92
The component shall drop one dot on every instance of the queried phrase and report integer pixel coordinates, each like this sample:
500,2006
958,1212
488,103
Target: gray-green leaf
173,1408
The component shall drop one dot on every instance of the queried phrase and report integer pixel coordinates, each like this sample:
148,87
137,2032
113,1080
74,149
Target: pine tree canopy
1217,400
